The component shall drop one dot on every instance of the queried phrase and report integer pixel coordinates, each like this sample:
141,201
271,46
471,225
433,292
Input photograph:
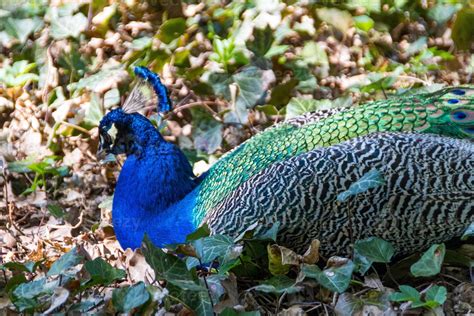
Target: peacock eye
469,130
459,115
453,101
458,92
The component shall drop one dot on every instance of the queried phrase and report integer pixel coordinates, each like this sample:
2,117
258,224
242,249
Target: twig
280,301
390,274
81,129
208,290
204,104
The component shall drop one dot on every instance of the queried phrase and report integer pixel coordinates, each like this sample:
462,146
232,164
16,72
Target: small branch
204,104
390,275
81,129
208,289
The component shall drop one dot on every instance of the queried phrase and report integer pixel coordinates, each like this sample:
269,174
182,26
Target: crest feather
148,91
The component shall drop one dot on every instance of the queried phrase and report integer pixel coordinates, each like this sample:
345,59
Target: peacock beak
104,146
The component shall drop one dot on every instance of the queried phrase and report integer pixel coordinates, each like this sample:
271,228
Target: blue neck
153,195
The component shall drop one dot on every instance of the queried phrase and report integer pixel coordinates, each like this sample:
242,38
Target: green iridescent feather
448,112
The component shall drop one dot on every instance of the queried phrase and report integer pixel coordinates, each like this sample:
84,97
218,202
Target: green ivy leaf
171,30
97,81
298,106
65,262
436,296
262,42
128,298
68,26
370,180
442,13
278,284
210,248
102,272
231,312
169,267
430,263
340,19
111,98
375,249
407,293
93,110
30,289
335,279
197,300
202,231
56,210
364,23
22,28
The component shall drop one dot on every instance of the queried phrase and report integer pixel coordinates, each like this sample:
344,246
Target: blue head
134,133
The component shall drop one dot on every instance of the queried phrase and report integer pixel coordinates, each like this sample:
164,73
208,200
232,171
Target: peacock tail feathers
448,112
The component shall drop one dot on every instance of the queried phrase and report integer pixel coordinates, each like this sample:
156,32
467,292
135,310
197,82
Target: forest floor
65,64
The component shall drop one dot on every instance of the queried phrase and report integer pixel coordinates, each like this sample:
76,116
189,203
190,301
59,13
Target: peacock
302,173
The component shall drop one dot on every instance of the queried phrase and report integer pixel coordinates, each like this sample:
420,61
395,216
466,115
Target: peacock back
447,112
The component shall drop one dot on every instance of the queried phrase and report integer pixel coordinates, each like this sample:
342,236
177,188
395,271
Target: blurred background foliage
233,68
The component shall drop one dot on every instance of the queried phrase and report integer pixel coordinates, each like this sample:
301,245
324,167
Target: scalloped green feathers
446,112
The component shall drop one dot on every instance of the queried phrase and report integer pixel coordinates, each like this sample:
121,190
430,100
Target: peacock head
133,130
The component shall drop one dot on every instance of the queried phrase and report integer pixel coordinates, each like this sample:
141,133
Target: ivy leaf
210,248
442,13
100,81
198,300
128,298
68,26
436,296
22,28
102,272
340,19
249,82
430,263
93,110
370,180
278,284
111,98
30,289
362,263
275,264
56,210
169,267
208,136
202,231
298,106
231,312
375,249
172,29
336,278
407,293
65,262
364,23
262,42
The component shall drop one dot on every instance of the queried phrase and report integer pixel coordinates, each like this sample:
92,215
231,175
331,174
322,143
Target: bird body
294,173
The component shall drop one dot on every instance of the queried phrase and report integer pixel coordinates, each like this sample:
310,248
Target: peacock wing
425,194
